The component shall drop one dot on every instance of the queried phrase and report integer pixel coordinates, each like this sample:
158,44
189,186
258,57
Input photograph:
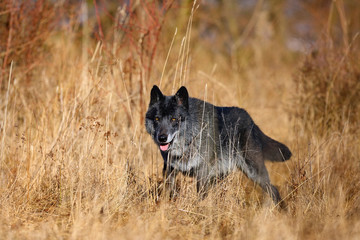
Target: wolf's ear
182,97
155,95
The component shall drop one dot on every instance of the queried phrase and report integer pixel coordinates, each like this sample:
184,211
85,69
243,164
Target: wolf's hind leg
259,174
272,191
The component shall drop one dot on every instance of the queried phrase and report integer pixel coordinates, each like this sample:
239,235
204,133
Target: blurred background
229,42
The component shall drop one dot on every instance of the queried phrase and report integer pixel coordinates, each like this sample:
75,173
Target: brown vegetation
76,161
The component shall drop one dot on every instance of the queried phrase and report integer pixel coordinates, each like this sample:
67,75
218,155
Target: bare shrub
327,90
25,26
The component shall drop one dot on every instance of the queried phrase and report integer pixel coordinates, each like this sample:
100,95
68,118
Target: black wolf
207,142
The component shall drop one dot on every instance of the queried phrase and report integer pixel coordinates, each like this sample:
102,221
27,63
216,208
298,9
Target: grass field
77,163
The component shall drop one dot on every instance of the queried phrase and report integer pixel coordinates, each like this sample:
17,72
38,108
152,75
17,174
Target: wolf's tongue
164,147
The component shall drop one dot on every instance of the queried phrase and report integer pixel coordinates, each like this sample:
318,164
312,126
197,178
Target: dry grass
77,163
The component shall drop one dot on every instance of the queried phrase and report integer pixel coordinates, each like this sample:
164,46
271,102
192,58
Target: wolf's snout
162,138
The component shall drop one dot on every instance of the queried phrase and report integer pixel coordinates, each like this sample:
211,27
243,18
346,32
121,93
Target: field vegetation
75,78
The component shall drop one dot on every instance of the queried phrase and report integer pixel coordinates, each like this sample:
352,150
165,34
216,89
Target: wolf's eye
157,119
173,119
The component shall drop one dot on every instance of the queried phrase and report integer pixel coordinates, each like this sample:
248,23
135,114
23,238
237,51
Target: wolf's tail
273,150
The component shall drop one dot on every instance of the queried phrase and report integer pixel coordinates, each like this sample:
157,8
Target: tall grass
76,161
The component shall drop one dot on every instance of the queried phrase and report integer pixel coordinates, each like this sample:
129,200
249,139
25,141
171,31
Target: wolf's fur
206,141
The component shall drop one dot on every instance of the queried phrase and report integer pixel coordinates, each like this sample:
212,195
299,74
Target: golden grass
77,163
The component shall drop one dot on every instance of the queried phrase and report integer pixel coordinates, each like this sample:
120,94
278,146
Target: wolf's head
165,118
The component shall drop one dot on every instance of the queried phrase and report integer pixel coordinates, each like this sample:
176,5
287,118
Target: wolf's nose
162,138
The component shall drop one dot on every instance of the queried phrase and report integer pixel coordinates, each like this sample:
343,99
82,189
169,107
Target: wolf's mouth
164,147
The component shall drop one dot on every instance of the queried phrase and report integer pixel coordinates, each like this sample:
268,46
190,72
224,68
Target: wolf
208,142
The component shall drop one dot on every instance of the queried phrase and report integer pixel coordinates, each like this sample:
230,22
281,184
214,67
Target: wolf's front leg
169,175
202,183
